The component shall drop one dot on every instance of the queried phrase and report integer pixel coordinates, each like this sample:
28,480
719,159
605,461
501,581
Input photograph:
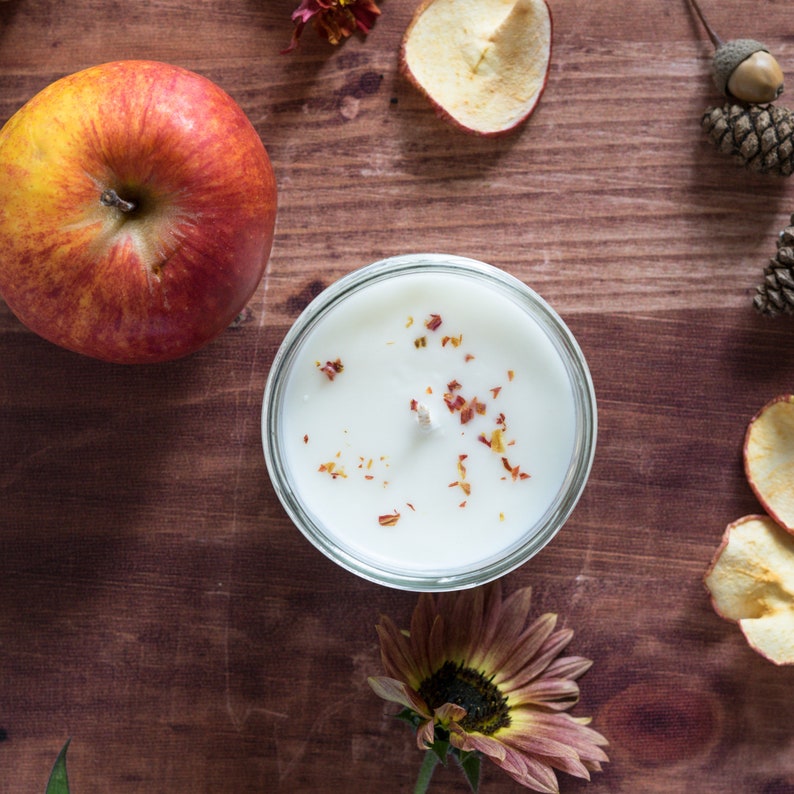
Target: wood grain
156,604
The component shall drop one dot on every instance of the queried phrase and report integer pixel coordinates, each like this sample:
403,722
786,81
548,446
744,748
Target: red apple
137,210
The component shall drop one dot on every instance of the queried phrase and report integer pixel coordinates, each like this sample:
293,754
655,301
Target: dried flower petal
334,20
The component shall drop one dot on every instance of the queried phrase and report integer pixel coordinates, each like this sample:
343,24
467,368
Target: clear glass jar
323,494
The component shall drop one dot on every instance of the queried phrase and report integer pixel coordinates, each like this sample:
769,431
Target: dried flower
476,679
333,19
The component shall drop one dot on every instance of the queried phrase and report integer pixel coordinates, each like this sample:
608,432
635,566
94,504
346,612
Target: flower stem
426,772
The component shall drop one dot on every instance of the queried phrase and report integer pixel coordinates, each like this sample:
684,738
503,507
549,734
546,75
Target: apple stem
110,198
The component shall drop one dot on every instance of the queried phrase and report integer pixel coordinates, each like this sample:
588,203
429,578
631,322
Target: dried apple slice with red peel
769,458
481,63
751,582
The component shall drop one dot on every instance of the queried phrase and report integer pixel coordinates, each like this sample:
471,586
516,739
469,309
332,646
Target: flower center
486,707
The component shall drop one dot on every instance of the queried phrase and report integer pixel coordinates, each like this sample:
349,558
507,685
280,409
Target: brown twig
715,39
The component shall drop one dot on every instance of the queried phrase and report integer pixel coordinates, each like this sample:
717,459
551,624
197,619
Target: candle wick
424,418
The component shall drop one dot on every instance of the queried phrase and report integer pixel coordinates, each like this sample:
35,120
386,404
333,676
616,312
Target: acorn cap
728,56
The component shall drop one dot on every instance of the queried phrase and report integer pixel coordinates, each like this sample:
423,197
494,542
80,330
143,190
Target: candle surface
427,422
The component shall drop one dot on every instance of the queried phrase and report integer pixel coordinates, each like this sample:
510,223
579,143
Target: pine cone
776,295
759,137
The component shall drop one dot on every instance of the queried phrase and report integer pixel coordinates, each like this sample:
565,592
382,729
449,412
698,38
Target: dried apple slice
481,63
769,458
751,582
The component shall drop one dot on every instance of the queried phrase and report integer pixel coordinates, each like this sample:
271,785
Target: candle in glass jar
427,422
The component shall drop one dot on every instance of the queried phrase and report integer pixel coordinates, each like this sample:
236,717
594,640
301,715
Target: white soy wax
427,424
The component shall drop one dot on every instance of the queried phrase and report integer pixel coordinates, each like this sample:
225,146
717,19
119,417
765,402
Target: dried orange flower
334,19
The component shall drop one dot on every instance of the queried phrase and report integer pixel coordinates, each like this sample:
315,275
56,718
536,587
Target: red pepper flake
305,439
500,420
515,471
420,342
455,341
497,440
510,374
414,405
411,506
461,467
389,520
331,468
468,357
453,385
429,390
331,368
461,482
369,477
454,403
433,322
495,391
462,504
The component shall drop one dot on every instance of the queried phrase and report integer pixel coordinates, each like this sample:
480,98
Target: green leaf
59,782
470,763
441,748
409,716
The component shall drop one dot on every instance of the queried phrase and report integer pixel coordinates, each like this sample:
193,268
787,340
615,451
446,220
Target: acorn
743,69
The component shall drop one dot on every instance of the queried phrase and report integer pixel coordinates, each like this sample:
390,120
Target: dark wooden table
156,604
